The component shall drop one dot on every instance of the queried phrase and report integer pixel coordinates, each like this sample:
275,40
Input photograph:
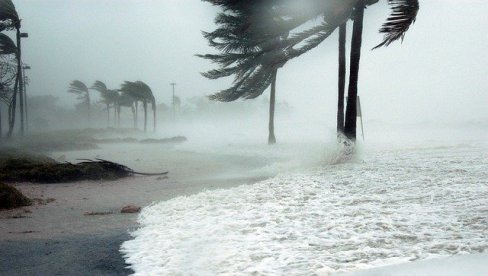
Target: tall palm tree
126,100
140,91
331,15
7,75
109,97
10,19
242,35
79,88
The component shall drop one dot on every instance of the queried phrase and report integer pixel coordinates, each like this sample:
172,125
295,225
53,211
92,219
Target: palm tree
7,75
79,88
242,40
126,100
109,97
331,14
10,19
140,91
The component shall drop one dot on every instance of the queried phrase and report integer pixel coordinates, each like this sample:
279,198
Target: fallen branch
27,170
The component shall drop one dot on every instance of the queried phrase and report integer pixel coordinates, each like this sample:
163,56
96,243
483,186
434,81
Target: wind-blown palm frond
403,16
77,87
8,11
99,86
108,96
7,46
8,15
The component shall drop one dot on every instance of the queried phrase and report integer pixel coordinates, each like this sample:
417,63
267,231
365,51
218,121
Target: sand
55,236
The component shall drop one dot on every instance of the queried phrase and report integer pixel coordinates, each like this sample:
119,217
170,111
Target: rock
130,209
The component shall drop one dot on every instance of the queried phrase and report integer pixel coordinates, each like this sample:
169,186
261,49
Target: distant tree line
130,94
257,37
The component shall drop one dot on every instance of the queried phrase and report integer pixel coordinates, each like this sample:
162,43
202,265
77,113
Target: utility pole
173,84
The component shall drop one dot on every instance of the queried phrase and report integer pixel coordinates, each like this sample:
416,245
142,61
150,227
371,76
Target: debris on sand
27,168
97,213
130,209
11,198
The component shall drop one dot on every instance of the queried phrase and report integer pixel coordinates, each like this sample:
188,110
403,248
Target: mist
437,69
200,175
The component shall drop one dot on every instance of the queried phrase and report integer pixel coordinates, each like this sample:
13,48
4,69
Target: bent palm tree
109,97
332,14
10,19
7,47
126,100
250,53
140,91
79,88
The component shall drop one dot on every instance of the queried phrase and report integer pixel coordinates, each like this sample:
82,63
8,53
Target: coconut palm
241,43
8,74
109,97
79,88
330,14
125,100
9,19
140,91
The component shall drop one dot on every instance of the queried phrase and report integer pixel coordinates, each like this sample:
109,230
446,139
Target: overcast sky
437,74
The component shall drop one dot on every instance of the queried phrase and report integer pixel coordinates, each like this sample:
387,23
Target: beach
55,236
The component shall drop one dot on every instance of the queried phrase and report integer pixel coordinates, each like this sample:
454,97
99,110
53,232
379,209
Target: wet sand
55,237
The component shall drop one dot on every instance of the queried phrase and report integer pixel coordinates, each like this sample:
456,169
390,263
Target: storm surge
392,205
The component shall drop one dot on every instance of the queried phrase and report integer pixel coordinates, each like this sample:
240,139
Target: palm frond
403,16
78,87
7,46
9,18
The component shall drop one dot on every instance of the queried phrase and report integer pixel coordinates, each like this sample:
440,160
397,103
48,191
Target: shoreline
56,237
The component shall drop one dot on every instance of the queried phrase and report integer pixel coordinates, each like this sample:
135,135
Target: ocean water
390,204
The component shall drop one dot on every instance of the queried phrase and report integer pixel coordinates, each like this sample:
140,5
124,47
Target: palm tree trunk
271,137
1,122
115,114
134,114
135,120
12,108
108,116
118,115
21,81
341,78
351,110
88,107
144,105
154,114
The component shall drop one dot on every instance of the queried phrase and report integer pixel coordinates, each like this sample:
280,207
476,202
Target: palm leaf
8,12
78,87
7,46
403,16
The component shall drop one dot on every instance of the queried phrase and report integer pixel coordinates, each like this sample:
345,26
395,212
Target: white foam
393,206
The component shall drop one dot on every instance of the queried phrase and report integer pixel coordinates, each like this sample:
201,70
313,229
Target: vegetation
109,98
139,91
129,95
241,52
11,198
252,47
79,88
18,166
9,20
